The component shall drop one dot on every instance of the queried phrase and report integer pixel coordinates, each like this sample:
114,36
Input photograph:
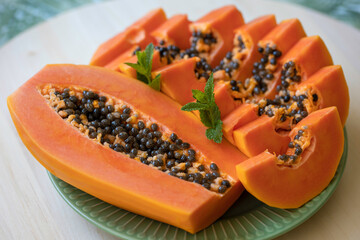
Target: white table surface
30,207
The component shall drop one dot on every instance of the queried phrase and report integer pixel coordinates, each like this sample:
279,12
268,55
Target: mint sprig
143,67
209,111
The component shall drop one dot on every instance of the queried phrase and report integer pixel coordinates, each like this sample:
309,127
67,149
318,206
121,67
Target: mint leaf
194,106
143,67
199,95
210,114
205,118
155,83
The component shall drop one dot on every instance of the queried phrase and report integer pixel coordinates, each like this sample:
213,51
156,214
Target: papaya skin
174,31
309,54
178,79
111,176
136,34
223,21
291,187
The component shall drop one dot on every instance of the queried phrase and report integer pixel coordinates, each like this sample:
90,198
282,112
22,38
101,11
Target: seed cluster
296,147
169,52
202,69
117,126
232,59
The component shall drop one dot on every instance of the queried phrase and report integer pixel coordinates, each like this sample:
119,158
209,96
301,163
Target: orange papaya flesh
307,56
175,31
260,134
289,31
292,179
212,35
136,34
114,64
244,53
157,62
242,115
326,88
179,78
113,176
329,86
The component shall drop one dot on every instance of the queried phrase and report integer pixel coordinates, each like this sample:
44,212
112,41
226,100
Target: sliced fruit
175,31
212,35
89,139
292,179
136,34
237,64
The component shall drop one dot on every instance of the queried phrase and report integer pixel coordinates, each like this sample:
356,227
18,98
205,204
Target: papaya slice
175,31
212,34
124,57
136,34
237,63
292,179
157,62
326,88
179,78
90,139
271,47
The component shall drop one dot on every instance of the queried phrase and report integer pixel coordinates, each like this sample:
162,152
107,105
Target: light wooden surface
30,207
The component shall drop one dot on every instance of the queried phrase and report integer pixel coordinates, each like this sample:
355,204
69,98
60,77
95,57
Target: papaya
213,33
310,162
175,31
326,88
271,47
122,147
179,78
124,57
136,34
237,64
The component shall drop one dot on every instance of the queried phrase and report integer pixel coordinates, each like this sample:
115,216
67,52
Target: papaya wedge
292,179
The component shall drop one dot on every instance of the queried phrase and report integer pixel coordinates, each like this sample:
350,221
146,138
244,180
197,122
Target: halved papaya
292,179
326,88
90,139
136,34
175,31
212,34
237,64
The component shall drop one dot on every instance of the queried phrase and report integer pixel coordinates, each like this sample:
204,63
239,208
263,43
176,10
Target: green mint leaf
209,89
143,67
199,96
142,78
215,134
139,69
194,106
155,83
149,52
205,118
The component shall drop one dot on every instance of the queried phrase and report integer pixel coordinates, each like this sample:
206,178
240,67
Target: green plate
248,218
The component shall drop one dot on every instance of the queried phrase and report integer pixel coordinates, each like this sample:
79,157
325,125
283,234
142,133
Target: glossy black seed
123,135
208,176
315,97
213,166
93,135
188,164
228,55
130,139
201,168
235,88
104,111
104,123
298,151
134,131
110,108
178,142
233,83
183,158
215,174
222,189
124,117
283,157
170,154
173,137
304,114
206,185
225,183
150,143
185,145
269,76
260,49
273,61
65,95
102,99
191,158
141,125
235,65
